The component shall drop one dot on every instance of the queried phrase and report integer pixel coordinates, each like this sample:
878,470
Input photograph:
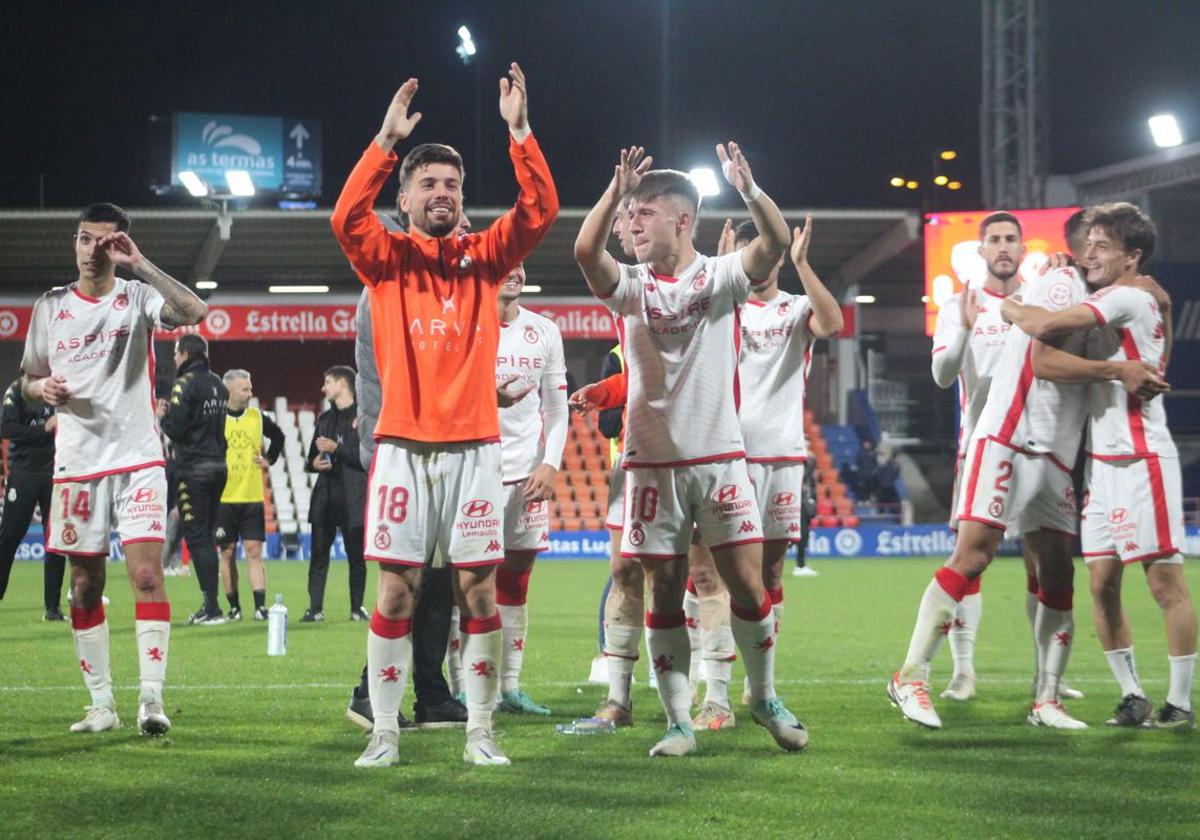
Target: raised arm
826,313
761,256
181,306
599,268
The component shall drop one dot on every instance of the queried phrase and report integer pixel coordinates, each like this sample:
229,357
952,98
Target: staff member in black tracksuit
195,422
29,430
339,496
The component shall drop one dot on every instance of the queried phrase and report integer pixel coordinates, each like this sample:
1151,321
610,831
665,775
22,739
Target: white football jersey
679,336
1031,414
530,347
980,359
1121,425
773,365
105,349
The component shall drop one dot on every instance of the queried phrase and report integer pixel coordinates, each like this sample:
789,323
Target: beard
1004,274
437,227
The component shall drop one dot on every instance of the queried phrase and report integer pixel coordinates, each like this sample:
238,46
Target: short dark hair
1127,224
193,344
344,373
1076,222
747,231
102,211
426,154
996,218
667,182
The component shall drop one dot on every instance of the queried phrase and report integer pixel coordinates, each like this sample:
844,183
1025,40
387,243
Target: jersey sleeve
949,344
1116,306
729,277
803,317
360,233
627,293
511,237
555,417
152,303
35,361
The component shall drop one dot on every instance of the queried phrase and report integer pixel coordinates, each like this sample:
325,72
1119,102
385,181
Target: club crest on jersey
69,535
1059,293
636,535
996,508
701,280
531,335
121,302
784,308
383,539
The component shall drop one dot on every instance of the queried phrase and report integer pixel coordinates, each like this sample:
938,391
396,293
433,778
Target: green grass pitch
260,745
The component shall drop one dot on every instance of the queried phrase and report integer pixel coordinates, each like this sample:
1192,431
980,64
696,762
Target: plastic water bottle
277,628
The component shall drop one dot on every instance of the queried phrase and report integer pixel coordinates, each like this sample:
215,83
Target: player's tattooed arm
598,266
763,254
826,313
1041,323
182,307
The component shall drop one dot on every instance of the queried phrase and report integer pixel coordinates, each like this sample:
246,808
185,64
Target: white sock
1054,631
1121,663
389,659
153,640
670,652
691,611
514,622
621,644
481,653
717,674
962,634
91,648
934,618
454,671
719,651
755,639
1031,610
1183,672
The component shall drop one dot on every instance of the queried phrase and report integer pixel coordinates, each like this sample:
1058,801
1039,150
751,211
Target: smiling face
510,289
1002,250
432,198
1105,259
92,261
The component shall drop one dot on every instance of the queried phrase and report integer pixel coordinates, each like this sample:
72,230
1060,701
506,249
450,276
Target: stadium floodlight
206,285
897,181
240,183
193,183
466,46
941,180
864,298
1164,128
705,180
912,185
947,154
954,185
297,290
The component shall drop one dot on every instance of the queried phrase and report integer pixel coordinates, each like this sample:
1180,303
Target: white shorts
615,520
84,513
526,524
1133,510
1015,528
1003,486
427,496
779,491
663,503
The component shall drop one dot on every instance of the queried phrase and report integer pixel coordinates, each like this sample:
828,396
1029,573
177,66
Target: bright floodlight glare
941,180
954,185
206,284
239,182
705,180
864,298
530,289
466,48
948,154
193,183
897,181
1165,130
297,290
912,185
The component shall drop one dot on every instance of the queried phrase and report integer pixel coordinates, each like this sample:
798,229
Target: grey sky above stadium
828,99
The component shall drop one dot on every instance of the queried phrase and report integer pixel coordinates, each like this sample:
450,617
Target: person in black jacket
339,495
29,430
195,423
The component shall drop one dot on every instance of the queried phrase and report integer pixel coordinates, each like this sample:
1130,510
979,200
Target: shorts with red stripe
615,520
82,513
1003,485
662,504
1133,510
1014,529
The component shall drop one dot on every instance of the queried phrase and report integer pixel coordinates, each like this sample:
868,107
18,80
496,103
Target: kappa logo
382,539
483,668
64,315
783,499
476,508
494,545
1117,515
389,674
69,536
793,528
145,495
1130,547
747,527
531,335
728,493
121,302
545,536
636,535
157,526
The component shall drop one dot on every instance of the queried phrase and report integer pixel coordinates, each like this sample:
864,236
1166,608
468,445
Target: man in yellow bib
241,514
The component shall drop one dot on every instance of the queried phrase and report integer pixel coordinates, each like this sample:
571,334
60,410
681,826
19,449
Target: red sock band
1061,600
776,595
973,589
952,583
86,619
691,586
764,610
390,628
478,626
1031,584
665,621
512,588
152,611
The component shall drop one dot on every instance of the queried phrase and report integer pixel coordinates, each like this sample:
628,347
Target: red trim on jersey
1018,404
137,540
666,278
1133,405
1049,456
737,352
708,459
150,377
751,302
937,350
92,477
1158,493
988,291
1099,315
614,527
1154,555
782,459
88,298
973,479
1133,456
152,611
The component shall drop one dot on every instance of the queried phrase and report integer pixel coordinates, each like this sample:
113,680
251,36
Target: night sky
828,99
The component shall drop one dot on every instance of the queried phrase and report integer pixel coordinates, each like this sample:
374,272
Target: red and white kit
773,365
1134,504
534,430
108,462
1018,458
684,455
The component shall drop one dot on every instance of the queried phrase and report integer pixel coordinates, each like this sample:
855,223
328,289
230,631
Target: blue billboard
281,154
